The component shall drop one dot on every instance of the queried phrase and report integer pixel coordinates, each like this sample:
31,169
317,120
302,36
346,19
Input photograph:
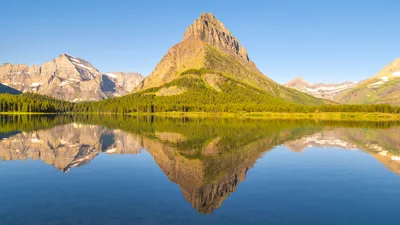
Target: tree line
30,102
192,101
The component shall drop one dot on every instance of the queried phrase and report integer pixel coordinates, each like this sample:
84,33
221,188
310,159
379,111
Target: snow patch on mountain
376,84
75,60
69,81
83,66
111,75
384,78
330,89
396,74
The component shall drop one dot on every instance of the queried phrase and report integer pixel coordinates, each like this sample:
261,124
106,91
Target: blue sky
321,41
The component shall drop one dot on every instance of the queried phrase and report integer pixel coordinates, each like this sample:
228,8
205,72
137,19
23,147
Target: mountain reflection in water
207,158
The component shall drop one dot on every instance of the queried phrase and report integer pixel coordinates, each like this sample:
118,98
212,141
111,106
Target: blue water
319,185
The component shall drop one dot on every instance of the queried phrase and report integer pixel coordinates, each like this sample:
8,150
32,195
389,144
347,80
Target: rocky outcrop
67,78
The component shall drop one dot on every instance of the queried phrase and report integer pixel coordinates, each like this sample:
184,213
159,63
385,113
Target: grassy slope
248,73
198,91
388,93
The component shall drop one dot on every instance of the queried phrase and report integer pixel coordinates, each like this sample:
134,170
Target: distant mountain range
67,78
320,90
384,87
208,65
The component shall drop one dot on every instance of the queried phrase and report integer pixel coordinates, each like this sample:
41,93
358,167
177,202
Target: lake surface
152,170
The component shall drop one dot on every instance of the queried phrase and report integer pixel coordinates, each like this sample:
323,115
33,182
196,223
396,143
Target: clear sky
319,40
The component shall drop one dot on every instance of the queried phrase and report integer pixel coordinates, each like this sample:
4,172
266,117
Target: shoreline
273,115
354,116
29,113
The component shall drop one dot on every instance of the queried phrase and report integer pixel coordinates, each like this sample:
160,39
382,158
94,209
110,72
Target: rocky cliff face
66,78
321,90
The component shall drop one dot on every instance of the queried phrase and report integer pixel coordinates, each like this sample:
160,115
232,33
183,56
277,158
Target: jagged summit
209,29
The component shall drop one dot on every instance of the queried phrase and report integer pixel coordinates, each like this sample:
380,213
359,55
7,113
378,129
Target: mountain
384,87
210,57
66,78
320,90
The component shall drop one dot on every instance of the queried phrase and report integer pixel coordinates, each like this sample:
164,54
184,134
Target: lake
87,169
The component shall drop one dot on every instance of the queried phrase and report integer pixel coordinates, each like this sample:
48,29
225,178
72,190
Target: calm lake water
150,170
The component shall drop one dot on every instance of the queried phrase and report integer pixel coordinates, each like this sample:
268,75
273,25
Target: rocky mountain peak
209,29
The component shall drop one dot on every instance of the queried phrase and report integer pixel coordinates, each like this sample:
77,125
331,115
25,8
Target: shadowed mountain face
208,46
8,90
207,158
